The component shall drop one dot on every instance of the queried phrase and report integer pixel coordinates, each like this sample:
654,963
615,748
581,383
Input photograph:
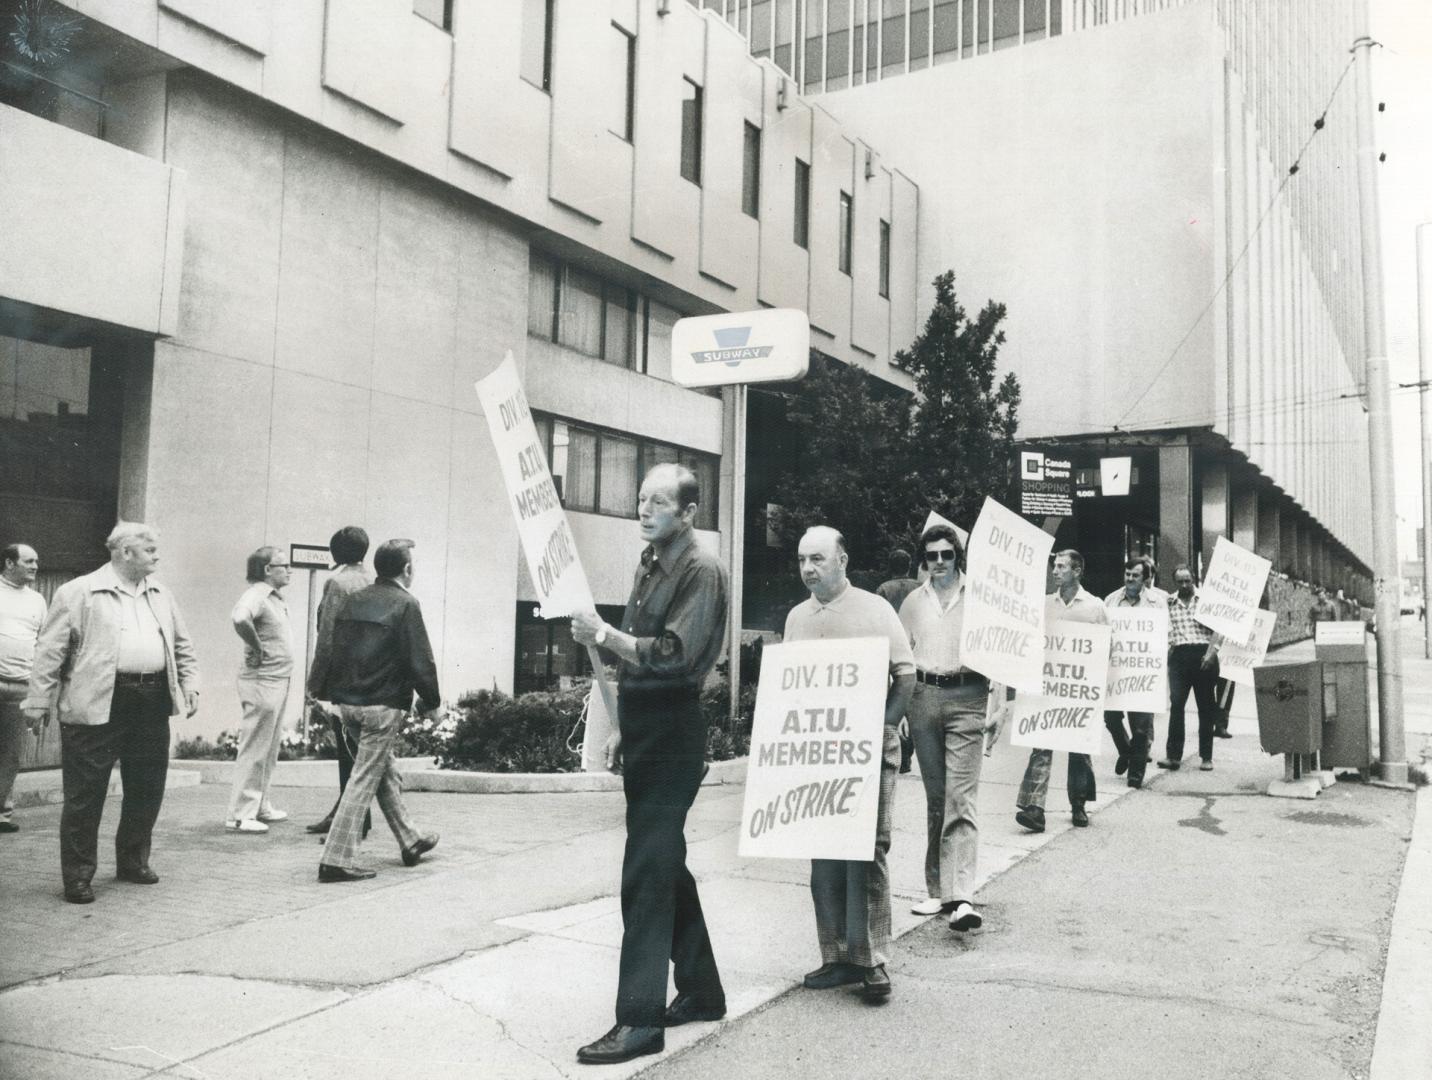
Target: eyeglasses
942,555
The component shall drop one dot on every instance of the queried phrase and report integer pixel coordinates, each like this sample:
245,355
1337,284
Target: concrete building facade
256,256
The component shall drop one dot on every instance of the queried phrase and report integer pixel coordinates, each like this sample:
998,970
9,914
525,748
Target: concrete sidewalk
1197,928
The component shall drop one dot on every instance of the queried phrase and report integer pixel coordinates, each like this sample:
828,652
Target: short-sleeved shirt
896,590
934,628
1147,599
1183,626
1084,607
677,613
853,613
141,643
262,607
22,613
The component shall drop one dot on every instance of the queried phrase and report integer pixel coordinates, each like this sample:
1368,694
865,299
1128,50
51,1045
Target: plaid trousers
852,899
373,728
1034,788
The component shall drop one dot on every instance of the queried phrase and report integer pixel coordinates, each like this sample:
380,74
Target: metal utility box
1290,707
1347,734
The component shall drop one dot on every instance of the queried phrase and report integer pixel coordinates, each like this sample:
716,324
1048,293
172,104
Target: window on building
947,30
846,223
548,657
691,105
542,277
437,12
751,172
624,59
580,324
660,320
802,204
599,471
892,41
885,259
597,317
1005,23
761,28
536,59
812,31
619,326
1034,19
919,34
785,16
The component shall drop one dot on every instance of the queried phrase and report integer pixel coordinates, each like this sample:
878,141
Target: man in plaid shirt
1192,665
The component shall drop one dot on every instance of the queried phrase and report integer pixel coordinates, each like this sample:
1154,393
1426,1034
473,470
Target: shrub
497,733
201,749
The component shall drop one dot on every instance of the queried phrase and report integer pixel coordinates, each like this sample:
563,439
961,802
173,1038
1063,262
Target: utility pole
1424,357
1392,751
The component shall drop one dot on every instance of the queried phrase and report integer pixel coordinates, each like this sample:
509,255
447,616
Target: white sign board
1138,659
769,345
1228,597
1114,475
1068,713
557,574
1003,630
309,557
813,781
1236,662
1328,632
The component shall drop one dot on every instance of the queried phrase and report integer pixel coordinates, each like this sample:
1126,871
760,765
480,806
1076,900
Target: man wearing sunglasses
949,715
1069,602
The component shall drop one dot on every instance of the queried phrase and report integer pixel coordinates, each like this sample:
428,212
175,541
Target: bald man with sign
852,899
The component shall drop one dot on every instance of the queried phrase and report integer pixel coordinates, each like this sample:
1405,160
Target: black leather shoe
330,874
139,875
1080,816
1221,733
320,827
1172,766
834,974
689,1009
1136,781
79,893
9,826
1031,818
421,846
1121,764
623,1043
875,985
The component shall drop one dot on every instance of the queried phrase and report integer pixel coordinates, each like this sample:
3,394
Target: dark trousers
663,752
345,766
1185,673
1133,744
137,736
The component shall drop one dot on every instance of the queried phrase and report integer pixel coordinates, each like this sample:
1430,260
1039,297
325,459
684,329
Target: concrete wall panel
666,208
247,24
870,312
832,172
366,47
218,55
586,163
497,118
235,164
295,53
904,262
491,307
730,238
785,265
329,265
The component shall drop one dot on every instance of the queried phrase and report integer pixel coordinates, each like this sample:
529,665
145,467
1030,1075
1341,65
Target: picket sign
1068,712
1004,598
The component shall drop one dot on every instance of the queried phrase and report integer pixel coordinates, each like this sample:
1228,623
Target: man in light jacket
114,662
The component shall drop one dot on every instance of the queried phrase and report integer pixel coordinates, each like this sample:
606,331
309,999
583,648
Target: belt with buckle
959,678
140,678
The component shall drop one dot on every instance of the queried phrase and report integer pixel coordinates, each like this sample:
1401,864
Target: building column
1288,542
1217,508
1175,509
1304,566
1270,531
1245,516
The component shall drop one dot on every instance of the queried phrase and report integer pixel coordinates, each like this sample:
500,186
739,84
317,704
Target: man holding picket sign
852,898
950,716
1133,744
1070,602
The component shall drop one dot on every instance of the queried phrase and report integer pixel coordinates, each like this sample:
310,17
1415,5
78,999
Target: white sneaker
965,917
245,825
931,905
273,815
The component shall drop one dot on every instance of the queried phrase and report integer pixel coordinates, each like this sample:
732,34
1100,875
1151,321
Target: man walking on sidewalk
347,548
376,660
1133,745
852,899
260,619
22,613
114,662
948,721
1192,665
1072,603
671,634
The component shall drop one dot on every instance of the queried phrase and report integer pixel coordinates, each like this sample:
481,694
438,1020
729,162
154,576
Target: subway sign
769,345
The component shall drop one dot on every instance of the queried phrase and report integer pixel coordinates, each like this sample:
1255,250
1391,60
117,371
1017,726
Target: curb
419,775
44,787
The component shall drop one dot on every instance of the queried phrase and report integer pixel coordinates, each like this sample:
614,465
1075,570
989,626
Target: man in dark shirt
901,584
670,637
376,658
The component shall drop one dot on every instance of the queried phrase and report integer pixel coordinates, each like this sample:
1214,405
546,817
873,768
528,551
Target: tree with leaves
873,461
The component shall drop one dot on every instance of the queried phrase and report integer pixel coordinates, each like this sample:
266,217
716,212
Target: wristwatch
600,637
